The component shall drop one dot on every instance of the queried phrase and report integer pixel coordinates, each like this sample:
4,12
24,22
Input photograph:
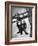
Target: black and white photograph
21,22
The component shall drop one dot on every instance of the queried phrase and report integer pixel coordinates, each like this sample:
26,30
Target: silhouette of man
22,27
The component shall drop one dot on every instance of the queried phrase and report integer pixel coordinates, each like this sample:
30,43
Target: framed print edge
6,23
7,42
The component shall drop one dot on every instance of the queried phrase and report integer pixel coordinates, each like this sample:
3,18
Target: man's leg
21,32
25,32
18,31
